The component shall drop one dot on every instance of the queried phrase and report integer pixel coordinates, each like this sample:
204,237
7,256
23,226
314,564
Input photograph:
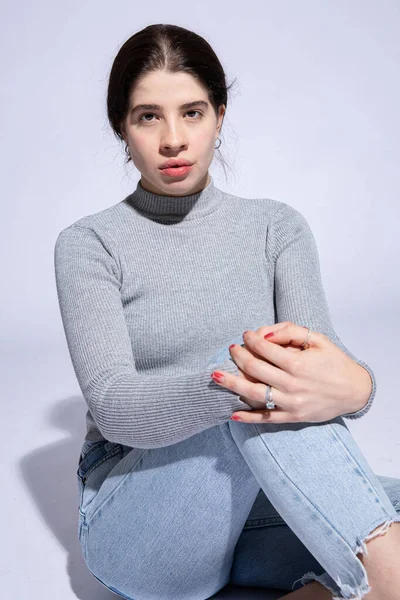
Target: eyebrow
158,107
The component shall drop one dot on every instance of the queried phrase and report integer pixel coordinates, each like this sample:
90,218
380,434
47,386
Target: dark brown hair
170,48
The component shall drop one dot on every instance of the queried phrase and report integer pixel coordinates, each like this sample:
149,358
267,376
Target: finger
293,334
267,362
275,415
276,352
242,374
268,328
254,393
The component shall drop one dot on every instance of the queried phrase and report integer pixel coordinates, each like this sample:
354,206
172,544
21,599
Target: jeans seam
322,516
344,446
267,522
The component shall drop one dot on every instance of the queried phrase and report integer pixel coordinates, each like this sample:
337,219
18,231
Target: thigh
164,522
269,555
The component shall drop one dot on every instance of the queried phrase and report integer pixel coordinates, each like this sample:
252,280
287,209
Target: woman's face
155,135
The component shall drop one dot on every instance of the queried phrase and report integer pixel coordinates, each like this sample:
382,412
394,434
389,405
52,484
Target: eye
152,114
145,115
195,111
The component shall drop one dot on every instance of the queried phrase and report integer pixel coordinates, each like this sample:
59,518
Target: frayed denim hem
343,591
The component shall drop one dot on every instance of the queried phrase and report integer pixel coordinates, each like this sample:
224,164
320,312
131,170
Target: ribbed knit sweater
153,286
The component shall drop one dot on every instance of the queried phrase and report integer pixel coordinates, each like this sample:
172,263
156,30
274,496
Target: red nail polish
269,335
235,418
217,376
231,346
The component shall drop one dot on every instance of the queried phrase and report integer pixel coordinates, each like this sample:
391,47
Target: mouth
176,170
176,163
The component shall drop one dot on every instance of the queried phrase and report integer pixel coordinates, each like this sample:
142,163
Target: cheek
205,141
142,148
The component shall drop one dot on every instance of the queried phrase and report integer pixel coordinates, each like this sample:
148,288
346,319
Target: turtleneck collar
176,208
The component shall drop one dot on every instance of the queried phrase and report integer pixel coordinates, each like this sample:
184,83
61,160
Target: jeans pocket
93,464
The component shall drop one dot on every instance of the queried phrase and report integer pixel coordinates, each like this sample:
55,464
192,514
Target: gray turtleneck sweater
153,286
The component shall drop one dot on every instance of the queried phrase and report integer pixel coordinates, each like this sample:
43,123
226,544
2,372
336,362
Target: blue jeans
260,505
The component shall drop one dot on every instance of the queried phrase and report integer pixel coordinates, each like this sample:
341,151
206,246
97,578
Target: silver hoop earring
216,147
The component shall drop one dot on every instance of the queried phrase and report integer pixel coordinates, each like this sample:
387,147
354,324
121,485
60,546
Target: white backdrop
312,121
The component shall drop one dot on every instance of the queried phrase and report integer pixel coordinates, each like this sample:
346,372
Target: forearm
152,412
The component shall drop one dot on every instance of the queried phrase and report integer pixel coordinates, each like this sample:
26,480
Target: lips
177,171
176,162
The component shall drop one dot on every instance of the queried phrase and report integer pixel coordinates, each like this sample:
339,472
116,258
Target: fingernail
235,418
217,376
231,346
269,334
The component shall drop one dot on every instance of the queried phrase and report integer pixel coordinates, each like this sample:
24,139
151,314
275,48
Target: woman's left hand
313,385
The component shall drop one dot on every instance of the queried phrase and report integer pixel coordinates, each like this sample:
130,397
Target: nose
173,139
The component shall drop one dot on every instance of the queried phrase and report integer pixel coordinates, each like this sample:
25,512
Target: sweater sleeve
299,292
128,408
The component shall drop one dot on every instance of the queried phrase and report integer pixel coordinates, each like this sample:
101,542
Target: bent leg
164,522
286,559
316,477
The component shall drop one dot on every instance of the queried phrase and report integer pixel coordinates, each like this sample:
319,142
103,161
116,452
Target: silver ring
268,395
306,340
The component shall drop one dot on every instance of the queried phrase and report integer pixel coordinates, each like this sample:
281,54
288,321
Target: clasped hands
312,385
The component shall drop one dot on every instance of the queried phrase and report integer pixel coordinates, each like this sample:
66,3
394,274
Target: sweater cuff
365,409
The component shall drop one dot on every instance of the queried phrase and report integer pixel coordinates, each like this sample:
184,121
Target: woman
176,499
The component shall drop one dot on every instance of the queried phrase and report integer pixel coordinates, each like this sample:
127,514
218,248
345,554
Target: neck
201,184
161,206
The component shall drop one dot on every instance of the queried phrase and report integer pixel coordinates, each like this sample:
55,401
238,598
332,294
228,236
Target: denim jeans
261,505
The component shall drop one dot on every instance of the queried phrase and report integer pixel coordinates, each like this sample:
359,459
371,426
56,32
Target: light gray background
313,121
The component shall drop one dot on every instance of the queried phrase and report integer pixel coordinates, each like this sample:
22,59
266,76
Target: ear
123,132
221,114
